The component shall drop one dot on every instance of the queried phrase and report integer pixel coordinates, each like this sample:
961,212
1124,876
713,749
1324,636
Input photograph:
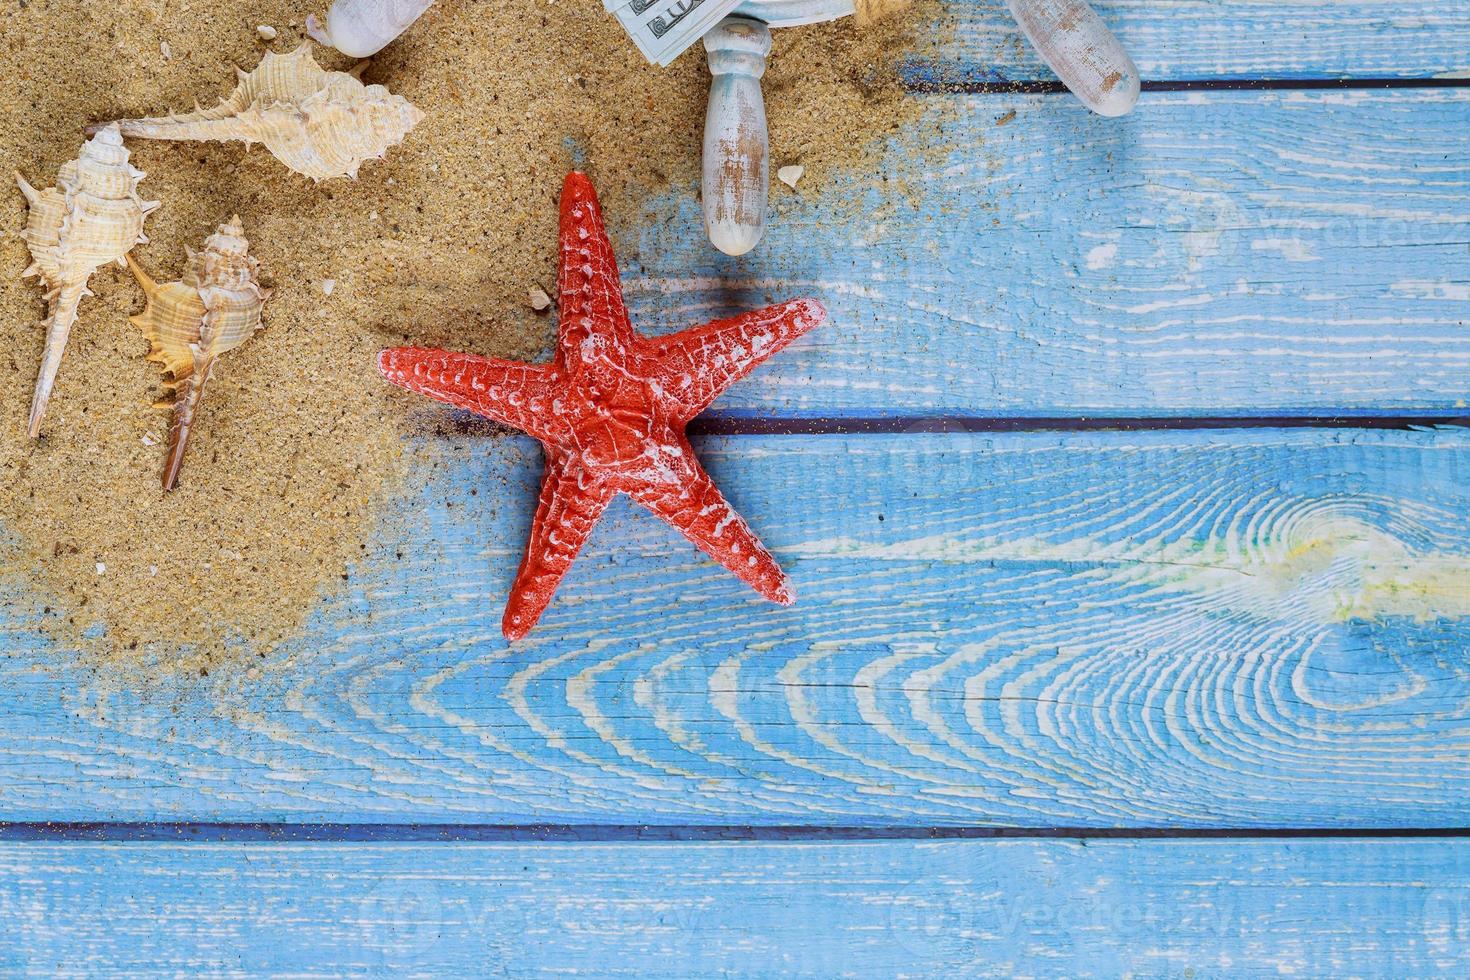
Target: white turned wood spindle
1089,59
1068,34
361,28
735,183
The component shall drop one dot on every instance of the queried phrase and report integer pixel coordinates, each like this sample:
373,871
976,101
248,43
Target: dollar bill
663,29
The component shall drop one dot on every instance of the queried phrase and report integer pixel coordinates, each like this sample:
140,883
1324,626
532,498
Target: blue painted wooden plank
1023,908
1238,39
1245,628
1238,253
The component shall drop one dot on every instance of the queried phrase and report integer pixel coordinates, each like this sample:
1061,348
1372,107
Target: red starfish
610,412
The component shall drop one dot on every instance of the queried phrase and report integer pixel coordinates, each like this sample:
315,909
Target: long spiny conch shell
1087,57
319,123
361,28
91,217
189,324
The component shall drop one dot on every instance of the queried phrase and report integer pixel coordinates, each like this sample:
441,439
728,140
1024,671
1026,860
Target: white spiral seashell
1074,41
734,187
364,27
91,217
319,123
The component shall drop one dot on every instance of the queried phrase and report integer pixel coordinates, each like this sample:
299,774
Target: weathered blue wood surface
1239,39
1012,909
1214,253
1254,628
1259,628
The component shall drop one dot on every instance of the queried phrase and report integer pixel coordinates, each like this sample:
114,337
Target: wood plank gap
951,78
915,425
248,832
742,424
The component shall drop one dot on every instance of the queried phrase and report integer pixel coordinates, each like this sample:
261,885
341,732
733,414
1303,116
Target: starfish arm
570,505
590,306
508,392
696,509
693,367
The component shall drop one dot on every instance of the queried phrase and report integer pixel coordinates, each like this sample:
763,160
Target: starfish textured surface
610,411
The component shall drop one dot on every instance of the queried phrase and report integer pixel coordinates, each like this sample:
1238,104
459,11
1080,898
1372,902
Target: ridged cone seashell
361,28
189,324
319,123
91,217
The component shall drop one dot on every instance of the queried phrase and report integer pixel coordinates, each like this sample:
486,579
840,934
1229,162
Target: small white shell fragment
152,570
328,285
165,50
540,302
101,567
266,32
148,439
790,175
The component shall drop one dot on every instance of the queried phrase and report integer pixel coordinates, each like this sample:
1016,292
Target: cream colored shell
362,28
319,123
91,217
215,308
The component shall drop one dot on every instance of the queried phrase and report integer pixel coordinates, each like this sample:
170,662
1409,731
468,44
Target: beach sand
298,444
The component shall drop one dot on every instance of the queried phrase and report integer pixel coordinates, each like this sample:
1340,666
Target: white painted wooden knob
1074,41
735,183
